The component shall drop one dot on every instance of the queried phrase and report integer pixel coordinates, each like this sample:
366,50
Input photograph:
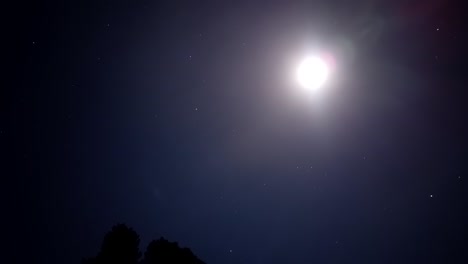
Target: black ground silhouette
121,246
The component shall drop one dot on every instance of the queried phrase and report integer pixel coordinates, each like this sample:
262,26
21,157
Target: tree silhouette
121,246
162,251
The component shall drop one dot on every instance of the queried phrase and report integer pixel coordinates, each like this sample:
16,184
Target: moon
312,73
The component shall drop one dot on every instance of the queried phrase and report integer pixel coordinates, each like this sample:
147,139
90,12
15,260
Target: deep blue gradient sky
181,119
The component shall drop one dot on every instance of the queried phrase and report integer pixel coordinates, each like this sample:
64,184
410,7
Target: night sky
183,119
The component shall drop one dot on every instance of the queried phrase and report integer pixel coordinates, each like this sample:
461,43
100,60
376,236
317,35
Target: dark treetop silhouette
121,246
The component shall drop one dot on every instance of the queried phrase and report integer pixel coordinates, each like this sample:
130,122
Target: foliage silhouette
121,246
162,251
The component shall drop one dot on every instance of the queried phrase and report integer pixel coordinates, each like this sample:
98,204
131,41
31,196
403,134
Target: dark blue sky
181,119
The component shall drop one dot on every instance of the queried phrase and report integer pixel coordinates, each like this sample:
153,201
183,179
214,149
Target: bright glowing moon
312,73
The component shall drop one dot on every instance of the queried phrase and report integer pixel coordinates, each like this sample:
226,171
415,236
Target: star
431,196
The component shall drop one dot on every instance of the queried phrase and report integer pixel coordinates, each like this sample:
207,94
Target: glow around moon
312,73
